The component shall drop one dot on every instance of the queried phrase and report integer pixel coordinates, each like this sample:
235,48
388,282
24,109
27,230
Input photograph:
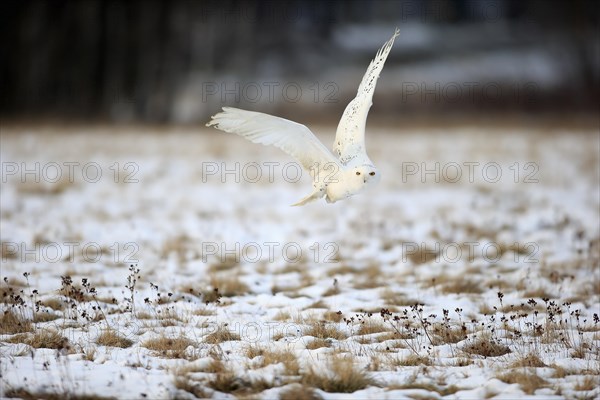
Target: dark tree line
84,58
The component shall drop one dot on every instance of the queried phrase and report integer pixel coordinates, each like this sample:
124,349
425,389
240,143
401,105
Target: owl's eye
372,173
357,173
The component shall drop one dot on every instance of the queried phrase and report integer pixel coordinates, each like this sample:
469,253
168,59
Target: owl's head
368,174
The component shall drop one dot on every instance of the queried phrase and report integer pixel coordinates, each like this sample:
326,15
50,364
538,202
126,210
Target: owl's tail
315,195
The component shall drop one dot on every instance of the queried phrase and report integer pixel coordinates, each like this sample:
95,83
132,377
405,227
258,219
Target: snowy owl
338,176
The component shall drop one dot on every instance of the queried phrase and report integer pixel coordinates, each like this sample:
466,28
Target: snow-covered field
167,263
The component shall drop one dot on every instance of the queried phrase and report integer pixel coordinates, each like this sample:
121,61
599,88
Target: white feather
349,144
293,138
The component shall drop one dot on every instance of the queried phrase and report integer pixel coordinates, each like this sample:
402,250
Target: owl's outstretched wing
349,143
293,138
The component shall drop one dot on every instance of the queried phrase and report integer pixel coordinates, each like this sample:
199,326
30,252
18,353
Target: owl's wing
293,138
349,143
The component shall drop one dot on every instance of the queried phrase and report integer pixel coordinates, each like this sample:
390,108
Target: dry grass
447,334
215,366
55,303
12,284
11,323
285,357
317,344
228,382
211,296
530,360
322,330
587,383
44,316
308,318
171,317
391,298
6,253
538,292
378,363
368,327
393,335
340,376
581,350
111,338
225,382
25,394
460,285
499,284
44,188
89,353
253,351
297,391
204,312
179,245
527,381
411,360
223,334
226,263
429,387
333,316
229,285
43,339
168,347
486,309
364,339
463,362
188,385
521,307
333,290
371,277
317,304
294,294
282,316
486,346
422,255
559,371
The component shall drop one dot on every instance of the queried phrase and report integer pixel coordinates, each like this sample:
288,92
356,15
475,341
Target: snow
182,227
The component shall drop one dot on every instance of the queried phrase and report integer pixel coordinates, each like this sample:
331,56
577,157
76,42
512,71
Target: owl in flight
336,176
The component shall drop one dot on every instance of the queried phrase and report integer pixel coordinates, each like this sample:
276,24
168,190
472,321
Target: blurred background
180,61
